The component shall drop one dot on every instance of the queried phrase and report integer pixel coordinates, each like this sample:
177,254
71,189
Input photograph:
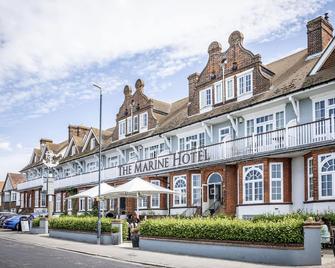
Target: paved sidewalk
124,253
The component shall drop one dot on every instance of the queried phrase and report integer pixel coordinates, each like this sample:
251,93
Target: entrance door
214,189
122,203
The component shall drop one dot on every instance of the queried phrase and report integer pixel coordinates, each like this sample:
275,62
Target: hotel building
247,139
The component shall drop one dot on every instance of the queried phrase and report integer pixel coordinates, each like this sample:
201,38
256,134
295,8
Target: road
15,254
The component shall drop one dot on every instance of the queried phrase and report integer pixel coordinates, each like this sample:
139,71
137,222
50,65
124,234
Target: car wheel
17,227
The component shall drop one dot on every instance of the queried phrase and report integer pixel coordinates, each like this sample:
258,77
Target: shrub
285,231
36,222
84,224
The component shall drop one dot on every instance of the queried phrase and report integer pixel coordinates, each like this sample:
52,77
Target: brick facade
315,155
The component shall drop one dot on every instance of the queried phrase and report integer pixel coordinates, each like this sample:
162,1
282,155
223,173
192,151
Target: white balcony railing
313,133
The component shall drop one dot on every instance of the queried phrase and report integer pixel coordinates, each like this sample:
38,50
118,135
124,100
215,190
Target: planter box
88,237
38,230
309,254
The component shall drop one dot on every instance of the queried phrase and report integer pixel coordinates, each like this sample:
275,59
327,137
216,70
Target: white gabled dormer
71,148
244,85
91,141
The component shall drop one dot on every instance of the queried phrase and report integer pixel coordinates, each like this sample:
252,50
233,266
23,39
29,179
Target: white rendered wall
247,211
298,188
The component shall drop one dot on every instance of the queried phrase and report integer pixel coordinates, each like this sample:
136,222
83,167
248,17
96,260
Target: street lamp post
99,172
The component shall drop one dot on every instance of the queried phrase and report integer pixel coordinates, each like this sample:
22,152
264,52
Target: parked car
5,217
13,223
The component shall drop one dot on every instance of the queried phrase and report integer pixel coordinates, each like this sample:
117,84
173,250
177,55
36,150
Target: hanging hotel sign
165,162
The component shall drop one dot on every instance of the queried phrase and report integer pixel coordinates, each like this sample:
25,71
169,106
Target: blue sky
52,51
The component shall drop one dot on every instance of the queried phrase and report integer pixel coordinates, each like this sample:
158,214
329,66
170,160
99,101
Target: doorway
214,189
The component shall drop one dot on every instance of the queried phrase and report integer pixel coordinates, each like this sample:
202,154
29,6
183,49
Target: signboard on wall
165,162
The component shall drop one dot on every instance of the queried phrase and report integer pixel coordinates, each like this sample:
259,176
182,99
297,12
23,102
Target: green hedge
329,216
286,231
36,222
84,224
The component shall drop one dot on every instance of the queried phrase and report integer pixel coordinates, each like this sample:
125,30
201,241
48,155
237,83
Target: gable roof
330,50
2,183
14,179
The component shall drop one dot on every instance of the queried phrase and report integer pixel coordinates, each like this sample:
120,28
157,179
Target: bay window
179,185
276,180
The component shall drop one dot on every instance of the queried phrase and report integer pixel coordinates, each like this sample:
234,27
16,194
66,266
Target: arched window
214,178
179,185
327,176
253,183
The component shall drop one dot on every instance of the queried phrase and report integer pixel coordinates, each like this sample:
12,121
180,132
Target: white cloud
5,146
13,162
50,51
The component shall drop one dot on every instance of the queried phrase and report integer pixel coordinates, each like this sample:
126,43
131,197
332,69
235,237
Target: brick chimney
44,142
319,34
193,97
79,131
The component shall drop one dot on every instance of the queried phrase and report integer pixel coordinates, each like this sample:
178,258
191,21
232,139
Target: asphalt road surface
15,254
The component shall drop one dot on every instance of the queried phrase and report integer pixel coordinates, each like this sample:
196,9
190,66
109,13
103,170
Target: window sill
244,96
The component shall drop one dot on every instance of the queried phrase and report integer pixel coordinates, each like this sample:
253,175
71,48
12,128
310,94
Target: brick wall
330,62
315,155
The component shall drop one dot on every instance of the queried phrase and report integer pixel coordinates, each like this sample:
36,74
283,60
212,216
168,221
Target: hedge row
328,216
286,231
84,224
36,222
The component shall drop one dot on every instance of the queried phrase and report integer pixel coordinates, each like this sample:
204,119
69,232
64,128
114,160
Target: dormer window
122,129
144,121
205,100
230,88
129,125
244,84
92,144
135,123
218,92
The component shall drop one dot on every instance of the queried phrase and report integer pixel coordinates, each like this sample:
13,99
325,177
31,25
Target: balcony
298,137
35,183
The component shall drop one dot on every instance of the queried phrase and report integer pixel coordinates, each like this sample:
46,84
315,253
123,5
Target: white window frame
129,125
73,150
112,204
89,204
43,199
37,198
69,204
222,137
196,188
144,122
263,124
92,143
207,107
309,178
189,142
142,202
276,179
220,91
58,202
325,99
245,94
135,123
246,169
122,128
22,200
180,204
156,196
332,173
91,164
230,79
112,161
82,204
13,196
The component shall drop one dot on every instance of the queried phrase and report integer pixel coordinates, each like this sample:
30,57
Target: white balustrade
300,135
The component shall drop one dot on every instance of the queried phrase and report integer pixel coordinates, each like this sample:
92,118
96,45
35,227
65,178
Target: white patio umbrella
136,188
93,192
